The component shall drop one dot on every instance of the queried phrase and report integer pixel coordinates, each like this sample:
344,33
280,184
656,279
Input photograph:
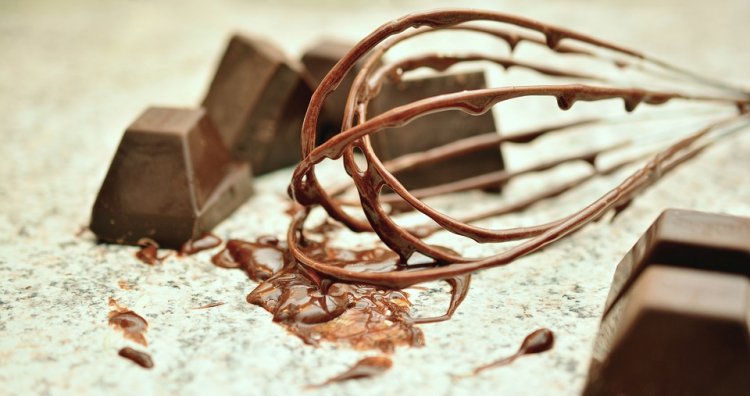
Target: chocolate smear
368,367
132,325
538,341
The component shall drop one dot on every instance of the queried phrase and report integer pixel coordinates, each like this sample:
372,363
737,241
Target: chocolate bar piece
171,180
676,320
258,100
435,130
319,59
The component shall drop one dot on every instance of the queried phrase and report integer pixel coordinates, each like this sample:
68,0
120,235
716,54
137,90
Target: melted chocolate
539,341
204,242
317,308
132,325
142,359
260,260
365,368
148,253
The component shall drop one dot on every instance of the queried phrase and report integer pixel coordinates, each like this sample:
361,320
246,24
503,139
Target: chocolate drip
368,367
142,359
148,253
317,308
539,341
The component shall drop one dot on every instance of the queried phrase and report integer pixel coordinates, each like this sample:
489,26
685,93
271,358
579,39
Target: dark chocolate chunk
435,130
318,60
171,180
678,313
687,239
258,99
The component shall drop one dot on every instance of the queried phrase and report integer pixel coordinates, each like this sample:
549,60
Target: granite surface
74,74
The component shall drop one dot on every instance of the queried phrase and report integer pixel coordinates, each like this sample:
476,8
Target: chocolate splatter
142,359
132,325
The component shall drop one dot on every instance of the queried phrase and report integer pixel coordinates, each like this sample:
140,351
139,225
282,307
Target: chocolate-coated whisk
376,175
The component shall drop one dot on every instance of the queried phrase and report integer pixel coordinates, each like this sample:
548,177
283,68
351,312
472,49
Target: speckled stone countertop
74,74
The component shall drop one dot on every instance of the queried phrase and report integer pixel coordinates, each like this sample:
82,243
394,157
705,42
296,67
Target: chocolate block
435,130
687,239
677,317
318,60
171,180
258,99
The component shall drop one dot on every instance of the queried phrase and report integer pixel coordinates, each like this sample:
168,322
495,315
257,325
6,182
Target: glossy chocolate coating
319,59
257,99
142,359
435,130
171,180
677,320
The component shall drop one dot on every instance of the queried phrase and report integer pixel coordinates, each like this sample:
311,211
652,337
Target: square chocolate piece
171,180
258,99
678,312
435,130
319,59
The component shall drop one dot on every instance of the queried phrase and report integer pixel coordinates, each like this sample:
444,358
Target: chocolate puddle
316,308
132,325
142,359
365,368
